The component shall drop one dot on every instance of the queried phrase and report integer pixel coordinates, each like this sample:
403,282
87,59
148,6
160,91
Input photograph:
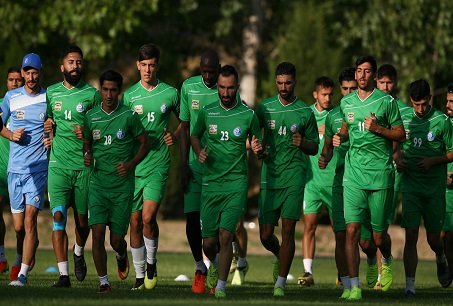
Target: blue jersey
29,112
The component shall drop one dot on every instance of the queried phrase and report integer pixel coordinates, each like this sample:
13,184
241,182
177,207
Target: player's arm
15,135
309,144
87,151
143,150
342,136
326,153
427,162
184,147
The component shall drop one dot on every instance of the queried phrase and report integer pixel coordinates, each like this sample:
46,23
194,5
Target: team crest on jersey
120,134
213,129
163,108
430,136
237,131
350,117
338,130
80,108
58,106
37,199
294,128
408,134
271,124
20,114
96,134
138,109
195,104
42,116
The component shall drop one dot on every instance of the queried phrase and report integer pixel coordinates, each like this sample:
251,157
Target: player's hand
48,125
336,140
203,155
46,141
169,137
400,164
425,163
78,130
449,178
257,148
122,168
322,129
323,161
370,123
186,175
297,139
18,134
87,158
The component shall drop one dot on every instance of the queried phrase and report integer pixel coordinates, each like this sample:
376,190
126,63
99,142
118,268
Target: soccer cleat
63,282
4,267
234,263
409,294
372,275
387,275
104,288
443,275
80,267
123,267
239,275
151,276
346,293
220,293
139,284
276,270
21,281
198,285
14,273
355,295
307,280
213,276
279,291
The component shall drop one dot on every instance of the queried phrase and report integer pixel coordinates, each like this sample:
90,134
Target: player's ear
315,95
62,68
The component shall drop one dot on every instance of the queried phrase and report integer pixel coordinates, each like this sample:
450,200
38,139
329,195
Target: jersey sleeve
329,131
49,110
260,115
448,135
136,125
310,128
6,112
96,99
86,128
176,103
200,126
394,116
184,113
255,129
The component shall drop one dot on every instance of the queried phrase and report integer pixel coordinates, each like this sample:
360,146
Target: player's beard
73,79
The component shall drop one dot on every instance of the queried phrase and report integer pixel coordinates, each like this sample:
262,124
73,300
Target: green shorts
63,184
432,209
151,188
284,202
359,202
315,196
111,208
221,210
396,196
4,181
448,221
192,199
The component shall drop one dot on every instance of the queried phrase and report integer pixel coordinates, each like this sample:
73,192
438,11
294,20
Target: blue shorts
26,189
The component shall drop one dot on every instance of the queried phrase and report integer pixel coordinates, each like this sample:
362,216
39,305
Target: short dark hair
228,70
70,49
13,69
419,89
324,82
286,68
147,52
111,75
347,74
388,71
450,88
367,59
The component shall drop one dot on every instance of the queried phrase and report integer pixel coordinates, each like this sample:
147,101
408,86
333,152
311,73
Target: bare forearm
196,144
394,134
309,148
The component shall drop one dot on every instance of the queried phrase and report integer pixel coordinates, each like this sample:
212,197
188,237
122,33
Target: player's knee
60,214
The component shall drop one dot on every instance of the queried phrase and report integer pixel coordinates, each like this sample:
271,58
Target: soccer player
27,166
290,132
67,104
153,101
110,131
371,122
318,189
423,161
448,223
13,80
226,125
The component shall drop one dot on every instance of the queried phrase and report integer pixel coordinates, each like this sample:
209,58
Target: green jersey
226,132
316,176
67,107
368,162
334,121
154,108
4,149
285,164
429,136
113,136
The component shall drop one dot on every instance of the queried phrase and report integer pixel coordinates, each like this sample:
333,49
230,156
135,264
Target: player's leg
241,245
100,256
268,219
137,243
3,262
369,248
448,231
151,238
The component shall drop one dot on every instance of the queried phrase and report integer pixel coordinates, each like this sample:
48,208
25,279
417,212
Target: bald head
209,66
210,57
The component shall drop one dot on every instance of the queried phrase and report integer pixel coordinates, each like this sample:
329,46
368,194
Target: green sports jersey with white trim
368,162
68,106
429,136
113,136
285,164
226,132
334,121
154,108
4,149
316,176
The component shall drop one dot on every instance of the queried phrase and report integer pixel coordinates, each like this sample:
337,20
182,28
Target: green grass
257,291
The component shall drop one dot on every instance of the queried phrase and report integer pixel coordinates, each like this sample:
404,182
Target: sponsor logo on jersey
80,108
408,134
163,108
213,114
20,114
350,117
294,128
271,124
42,116
237,131
138,109
193,91
338,120
195,104
120,134
430,136
58,106
213,129
96,134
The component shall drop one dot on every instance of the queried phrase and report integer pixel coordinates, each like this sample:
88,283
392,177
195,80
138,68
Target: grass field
257,291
